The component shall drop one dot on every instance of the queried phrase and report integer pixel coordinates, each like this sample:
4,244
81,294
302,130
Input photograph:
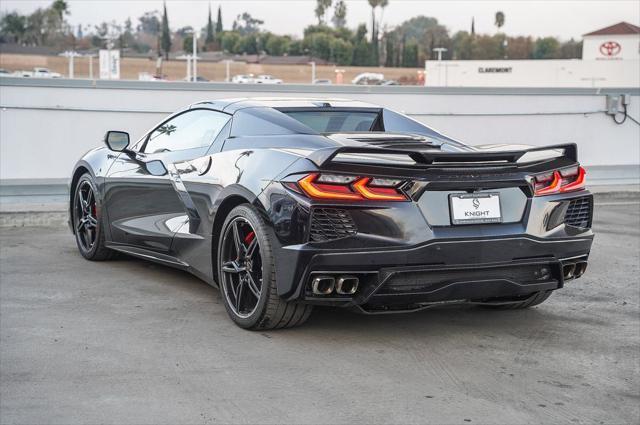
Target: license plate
475,208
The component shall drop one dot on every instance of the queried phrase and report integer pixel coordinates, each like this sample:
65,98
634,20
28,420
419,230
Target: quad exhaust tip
581,267
327,285
323,285
347,285
568,271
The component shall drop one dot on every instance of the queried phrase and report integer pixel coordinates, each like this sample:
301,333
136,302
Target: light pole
195,56
228,69
313,71
70,55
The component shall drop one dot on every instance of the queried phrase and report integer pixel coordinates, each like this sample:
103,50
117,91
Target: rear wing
430,158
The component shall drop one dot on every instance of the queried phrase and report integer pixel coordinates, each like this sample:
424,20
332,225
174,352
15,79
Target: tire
267,310
536,299
94,250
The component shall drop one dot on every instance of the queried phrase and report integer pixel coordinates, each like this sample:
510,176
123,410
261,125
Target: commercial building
610,58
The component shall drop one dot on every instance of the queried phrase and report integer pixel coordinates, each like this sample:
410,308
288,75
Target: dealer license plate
474,208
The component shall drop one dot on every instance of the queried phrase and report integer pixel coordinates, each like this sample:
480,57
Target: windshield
335,121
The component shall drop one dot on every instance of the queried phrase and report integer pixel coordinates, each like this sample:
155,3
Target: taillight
335,187
560,181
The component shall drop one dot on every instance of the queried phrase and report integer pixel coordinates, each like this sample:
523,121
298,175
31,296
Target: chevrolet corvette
286,204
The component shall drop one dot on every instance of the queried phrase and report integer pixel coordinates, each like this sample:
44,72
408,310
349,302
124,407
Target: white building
617,42
610,58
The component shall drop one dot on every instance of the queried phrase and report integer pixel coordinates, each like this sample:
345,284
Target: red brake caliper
249,237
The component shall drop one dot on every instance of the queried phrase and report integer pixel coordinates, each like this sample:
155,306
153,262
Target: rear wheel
533,300
246,273
87,222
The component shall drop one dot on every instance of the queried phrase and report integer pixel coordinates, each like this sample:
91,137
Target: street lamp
440,50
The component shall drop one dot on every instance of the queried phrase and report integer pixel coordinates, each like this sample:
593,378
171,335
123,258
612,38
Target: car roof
233,105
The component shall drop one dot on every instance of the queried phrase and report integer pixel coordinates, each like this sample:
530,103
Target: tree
499,20
321,10
546,48
374,29
13,27
210,30
277,45
410,55
61,8
187,43
149,23
165,41
219,21
341,51
361,49
246,24
340,15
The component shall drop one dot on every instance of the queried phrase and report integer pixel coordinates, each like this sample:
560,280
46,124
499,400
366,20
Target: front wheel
88,225
246,273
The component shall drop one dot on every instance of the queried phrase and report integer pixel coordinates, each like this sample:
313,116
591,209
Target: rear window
335,121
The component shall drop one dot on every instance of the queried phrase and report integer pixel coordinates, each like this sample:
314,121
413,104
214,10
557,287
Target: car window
335,121
262,121
192,129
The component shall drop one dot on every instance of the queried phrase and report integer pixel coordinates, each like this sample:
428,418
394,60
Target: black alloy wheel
85,216
87,222
241,267
247,274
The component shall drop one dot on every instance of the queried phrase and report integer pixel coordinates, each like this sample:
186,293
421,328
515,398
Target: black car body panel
406,254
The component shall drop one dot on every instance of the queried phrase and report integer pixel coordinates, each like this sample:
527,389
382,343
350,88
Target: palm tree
499,20
374,29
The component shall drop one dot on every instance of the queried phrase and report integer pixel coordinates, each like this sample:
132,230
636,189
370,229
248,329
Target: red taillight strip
577,184
358,190
314,191
382,194
556,185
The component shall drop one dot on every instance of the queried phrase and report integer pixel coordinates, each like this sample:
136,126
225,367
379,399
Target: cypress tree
219,21
166,34
210,36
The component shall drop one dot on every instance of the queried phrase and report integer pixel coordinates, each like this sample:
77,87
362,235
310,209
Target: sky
560,18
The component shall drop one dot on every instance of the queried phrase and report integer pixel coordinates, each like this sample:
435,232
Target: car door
143,207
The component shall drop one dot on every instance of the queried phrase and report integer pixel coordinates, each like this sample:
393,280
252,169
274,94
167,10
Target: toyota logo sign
610,48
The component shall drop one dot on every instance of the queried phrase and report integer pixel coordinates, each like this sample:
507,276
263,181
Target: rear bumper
469,270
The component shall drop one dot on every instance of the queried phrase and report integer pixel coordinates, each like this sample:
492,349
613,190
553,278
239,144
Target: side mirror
117,141
156,168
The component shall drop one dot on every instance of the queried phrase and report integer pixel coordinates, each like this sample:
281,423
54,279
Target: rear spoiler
323,157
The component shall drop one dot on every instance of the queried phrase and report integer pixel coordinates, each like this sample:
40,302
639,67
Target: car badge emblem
476,203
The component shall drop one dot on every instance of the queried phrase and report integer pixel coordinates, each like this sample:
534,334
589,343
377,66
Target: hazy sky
562,18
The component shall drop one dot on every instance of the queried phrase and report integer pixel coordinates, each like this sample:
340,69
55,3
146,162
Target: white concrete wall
46,125
533,73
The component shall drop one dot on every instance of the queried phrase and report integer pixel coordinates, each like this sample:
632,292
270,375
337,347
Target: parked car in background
4,72
45,73
267,79
243,79
322,81
389,83
368,79
199,79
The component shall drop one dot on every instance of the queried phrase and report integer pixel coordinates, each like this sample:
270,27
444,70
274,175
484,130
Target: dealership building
610,58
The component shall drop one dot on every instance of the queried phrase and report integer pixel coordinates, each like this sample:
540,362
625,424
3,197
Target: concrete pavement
128,341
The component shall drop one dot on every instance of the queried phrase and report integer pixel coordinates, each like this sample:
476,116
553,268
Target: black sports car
289,203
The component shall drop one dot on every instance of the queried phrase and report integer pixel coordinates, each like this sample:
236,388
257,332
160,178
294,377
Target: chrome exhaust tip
581,267
568,271
347,285
323,285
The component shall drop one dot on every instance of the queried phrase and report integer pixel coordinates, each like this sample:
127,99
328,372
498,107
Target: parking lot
133,342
